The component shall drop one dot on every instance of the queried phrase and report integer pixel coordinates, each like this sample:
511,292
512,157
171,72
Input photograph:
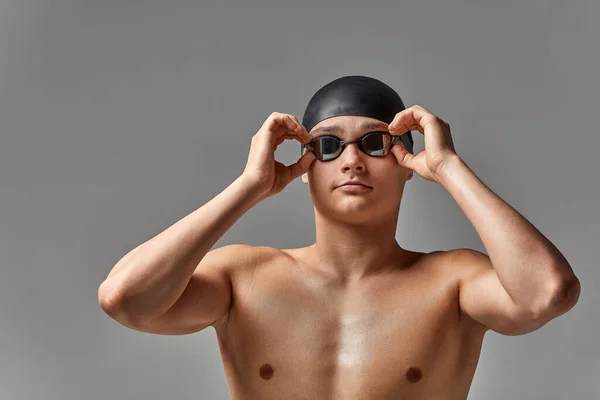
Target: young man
354,315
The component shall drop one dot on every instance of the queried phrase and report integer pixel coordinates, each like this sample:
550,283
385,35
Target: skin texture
297,331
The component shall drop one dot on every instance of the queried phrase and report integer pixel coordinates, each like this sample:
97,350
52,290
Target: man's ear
410,175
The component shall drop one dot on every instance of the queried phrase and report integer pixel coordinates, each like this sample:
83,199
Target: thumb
302,165
404,157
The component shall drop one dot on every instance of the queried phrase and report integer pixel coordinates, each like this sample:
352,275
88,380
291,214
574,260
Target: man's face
384,174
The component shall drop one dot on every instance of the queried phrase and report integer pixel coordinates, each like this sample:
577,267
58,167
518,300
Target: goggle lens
375,144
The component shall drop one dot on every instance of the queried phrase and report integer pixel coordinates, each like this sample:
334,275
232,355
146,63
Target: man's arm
147,282
207,297
526,281
166,280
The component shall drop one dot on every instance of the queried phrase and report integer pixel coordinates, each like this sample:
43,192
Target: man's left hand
439,148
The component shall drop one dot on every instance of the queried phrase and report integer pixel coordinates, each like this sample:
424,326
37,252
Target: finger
412,118
285,124
307,138
277,124
299,130
406,128
301,166
407,119
288,136
290,124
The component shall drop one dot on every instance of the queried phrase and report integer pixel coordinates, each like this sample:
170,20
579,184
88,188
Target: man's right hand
262,170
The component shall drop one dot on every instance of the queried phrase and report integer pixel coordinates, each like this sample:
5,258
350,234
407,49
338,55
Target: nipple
413,374
266,371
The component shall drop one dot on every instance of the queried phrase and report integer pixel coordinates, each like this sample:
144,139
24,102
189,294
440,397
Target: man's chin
355,215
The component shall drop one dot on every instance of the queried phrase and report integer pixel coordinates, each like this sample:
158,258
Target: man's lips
354,184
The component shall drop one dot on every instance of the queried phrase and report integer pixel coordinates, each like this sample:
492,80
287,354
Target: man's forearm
151,277
528,265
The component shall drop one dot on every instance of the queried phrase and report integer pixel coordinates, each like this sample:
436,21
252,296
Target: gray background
118,118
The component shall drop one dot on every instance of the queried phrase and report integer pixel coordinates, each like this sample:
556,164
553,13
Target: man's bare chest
387,330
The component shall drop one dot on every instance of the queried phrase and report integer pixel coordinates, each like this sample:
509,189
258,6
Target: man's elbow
563,296
112,304
567,294
108,301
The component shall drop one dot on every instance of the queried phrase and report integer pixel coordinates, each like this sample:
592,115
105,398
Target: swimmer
354,315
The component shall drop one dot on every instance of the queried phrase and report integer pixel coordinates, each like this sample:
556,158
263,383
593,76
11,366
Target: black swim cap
359,96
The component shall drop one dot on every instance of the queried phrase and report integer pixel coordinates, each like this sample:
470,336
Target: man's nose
351,149
352,157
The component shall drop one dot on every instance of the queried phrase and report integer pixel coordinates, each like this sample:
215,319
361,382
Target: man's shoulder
240,258
244,250
461,261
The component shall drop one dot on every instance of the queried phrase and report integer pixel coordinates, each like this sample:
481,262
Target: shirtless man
354,315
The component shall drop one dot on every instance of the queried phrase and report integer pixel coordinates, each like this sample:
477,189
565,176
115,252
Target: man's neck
353,251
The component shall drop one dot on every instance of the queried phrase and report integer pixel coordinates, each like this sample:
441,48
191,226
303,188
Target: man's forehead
342,123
